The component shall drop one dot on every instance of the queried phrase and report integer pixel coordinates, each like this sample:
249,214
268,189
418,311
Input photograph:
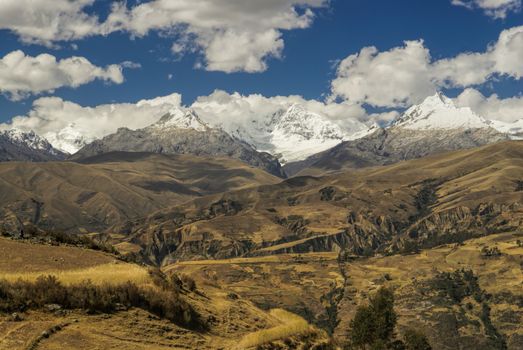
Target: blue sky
307,65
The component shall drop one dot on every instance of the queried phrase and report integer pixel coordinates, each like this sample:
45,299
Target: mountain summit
439,112
294,133
180,119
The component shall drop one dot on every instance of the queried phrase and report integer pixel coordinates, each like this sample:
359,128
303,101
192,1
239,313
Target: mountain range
292,136
436,125
181,132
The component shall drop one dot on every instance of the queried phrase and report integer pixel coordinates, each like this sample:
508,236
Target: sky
90,62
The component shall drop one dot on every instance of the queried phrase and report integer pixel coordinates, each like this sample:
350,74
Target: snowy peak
298,121
179,119
296,133
69,139
29,139
438,112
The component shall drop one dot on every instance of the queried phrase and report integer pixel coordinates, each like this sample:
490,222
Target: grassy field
26,261
24,257
112,273
291,325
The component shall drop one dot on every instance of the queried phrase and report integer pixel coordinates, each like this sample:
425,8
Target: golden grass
291,325
102,274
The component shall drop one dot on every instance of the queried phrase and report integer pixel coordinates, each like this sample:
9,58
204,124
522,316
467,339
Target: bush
487,252
22,295
374,324
59,237
415,340
457,285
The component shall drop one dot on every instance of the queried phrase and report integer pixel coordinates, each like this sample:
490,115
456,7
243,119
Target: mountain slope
515,129
181,133
434,126
110,188
429,200
26,146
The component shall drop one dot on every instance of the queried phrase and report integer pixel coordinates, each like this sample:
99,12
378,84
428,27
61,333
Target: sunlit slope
426,201
108,189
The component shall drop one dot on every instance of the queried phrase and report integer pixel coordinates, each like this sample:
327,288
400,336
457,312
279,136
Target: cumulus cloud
492,107
394,78
228,110
50,116
22,75
48,21
231,35
404,75
494,8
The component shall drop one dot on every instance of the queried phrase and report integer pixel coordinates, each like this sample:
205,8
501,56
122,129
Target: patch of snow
514,130
180,119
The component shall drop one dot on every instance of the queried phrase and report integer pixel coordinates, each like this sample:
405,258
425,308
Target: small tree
374,324
363,327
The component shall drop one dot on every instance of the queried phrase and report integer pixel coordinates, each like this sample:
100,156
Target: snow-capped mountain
181,132
177,118
294,133
69,139
16,144
436,125
438,112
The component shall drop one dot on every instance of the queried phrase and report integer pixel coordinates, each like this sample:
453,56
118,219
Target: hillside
57,327
111,188
327,290
384,209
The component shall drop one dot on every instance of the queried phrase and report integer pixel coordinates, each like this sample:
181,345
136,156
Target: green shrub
415,340
374,324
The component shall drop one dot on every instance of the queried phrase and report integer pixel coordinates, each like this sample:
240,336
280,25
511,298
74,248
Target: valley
181,235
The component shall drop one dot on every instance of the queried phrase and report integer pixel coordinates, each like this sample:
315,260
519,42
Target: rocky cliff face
181,133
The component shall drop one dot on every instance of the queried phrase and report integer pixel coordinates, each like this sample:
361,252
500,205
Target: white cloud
492,107
493,8
395,78
222,108
404,75
50,116
232,35
48,21
22,75
55,118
